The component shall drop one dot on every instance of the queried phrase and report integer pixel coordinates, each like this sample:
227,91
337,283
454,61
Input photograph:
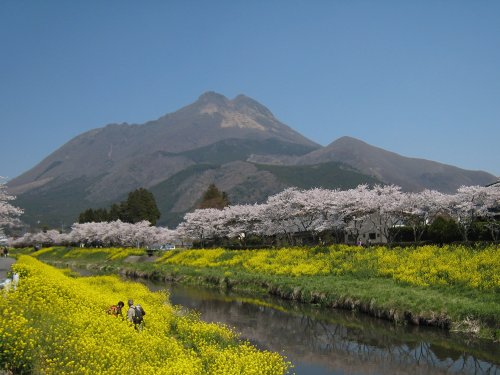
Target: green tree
443,230
115,212
214,198
86,216
96,216
140,205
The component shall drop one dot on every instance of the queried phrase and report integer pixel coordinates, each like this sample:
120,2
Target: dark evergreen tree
86,216
214,198
140,205
96,216
100,214
115,212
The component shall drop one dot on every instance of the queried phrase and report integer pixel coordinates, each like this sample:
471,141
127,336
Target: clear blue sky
420,78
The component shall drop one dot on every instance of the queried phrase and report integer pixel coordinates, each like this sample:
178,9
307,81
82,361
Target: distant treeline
140,205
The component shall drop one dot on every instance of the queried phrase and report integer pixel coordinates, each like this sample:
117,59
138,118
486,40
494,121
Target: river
337,342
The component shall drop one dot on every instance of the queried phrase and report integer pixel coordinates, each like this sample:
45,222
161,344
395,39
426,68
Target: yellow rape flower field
454,286
422,266
57,324
428,265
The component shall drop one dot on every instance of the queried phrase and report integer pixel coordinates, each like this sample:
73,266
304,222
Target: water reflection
336,341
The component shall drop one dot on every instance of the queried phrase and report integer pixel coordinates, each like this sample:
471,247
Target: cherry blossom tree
419,209
469,204
278,215
318,210
202,224
329,209
88,234
243,220
9,214
165,235
385,204
48,238
303,212
355,209
492,215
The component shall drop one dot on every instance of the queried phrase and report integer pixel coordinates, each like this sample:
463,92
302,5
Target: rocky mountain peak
212,97
242,112
245,104
346,140
211,102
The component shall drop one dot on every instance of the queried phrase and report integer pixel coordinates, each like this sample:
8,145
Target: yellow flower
56,324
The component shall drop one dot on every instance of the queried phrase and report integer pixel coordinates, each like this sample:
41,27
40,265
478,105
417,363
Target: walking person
116,310
135,315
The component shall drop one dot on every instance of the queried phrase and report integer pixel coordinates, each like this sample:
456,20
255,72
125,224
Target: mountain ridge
412,174
212,140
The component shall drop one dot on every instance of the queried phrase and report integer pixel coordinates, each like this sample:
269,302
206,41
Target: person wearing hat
135,315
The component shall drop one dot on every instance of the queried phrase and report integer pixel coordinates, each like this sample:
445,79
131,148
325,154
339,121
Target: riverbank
353,279
343,341
471,312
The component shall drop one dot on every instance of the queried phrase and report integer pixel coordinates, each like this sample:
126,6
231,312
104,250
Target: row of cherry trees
314,211
114,233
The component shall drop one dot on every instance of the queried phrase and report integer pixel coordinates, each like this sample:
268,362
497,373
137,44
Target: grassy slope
67,200
330,175
238,149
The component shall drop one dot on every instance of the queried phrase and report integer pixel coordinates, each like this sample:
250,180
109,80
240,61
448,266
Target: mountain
121,156
247,183
412,174
176,157
237,144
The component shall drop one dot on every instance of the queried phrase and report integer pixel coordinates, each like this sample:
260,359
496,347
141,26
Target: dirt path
5,264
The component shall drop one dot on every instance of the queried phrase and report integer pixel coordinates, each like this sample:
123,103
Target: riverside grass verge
453,287
54,323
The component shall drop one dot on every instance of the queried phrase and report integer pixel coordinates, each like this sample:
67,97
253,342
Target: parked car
167,246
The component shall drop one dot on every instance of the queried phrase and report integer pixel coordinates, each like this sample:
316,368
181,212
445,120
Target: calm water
319,341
